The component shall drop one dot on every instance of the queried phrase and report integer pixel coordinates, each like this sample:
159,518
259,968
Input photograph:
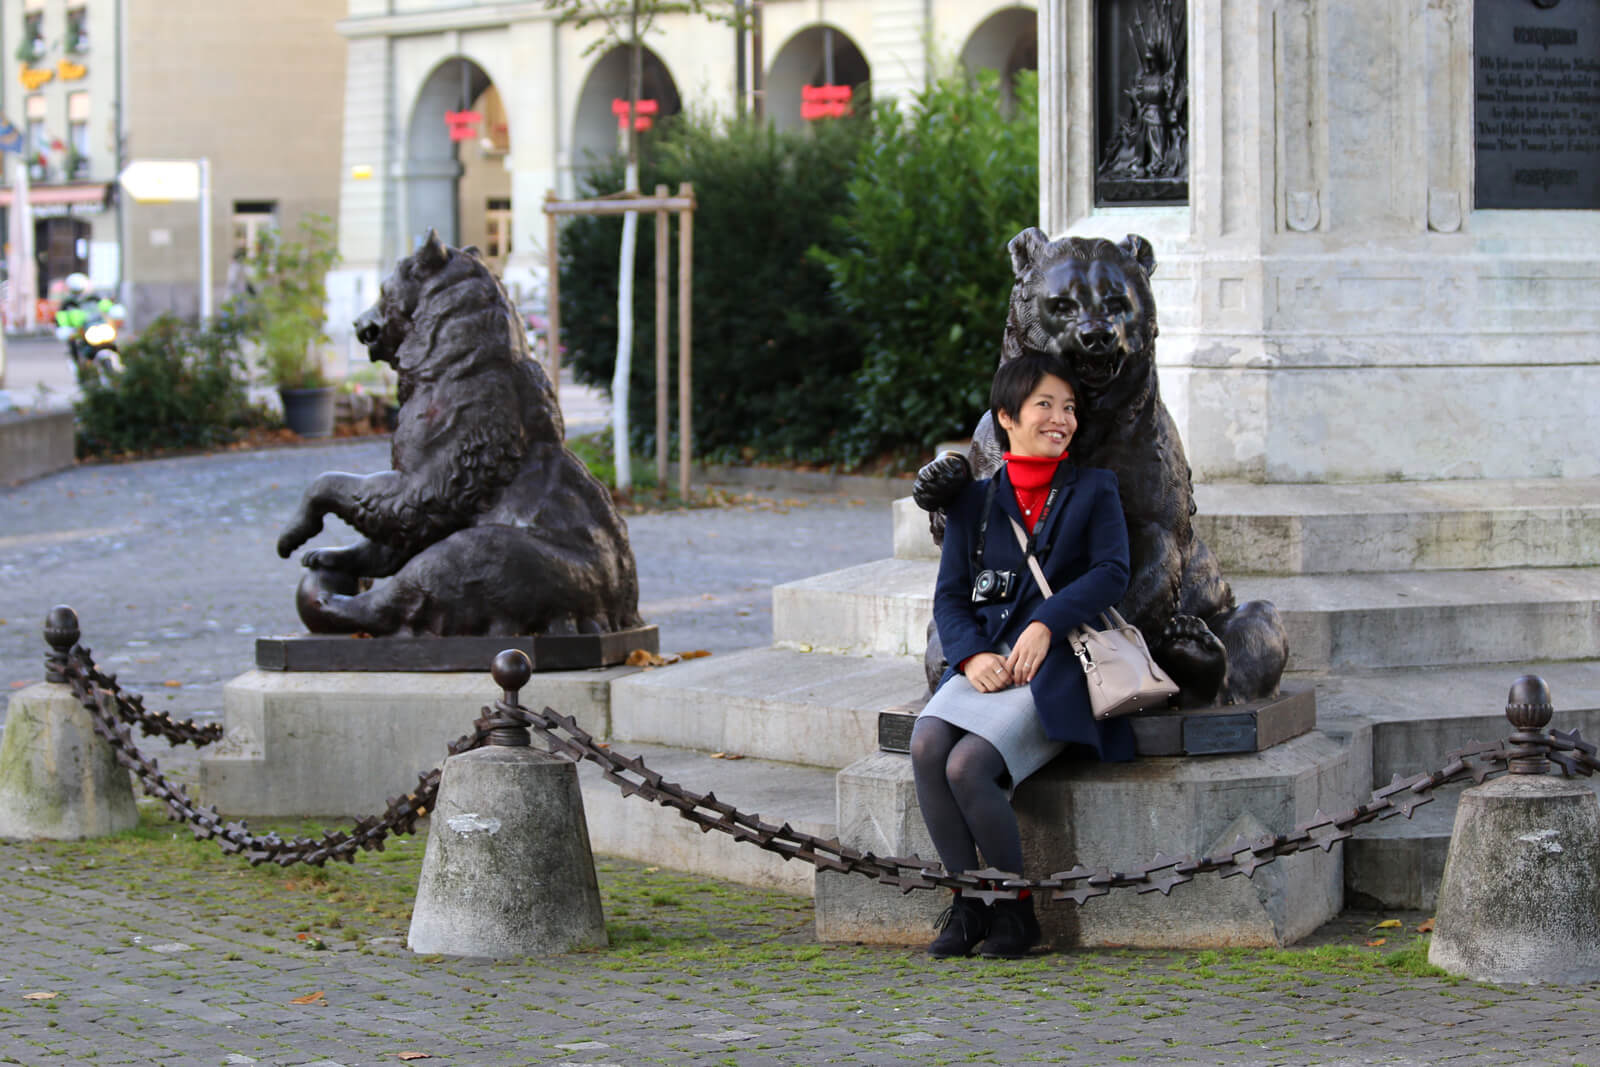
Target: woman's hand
988,673
1028,654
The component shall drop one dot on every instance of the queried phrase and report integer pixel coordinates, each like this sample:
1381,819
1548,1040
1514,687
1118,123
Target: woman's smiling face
1046,422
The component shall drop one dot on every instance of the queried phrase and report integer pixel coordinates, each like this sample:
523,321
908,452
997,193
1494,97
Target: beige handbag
1122,675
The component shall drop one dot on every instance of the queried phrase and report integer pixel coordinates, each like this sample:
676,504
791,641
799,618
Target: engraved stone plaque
1536,114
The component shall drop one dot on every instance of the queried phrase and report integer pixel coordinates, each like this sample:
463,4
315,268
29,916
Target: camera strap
983,523
988,505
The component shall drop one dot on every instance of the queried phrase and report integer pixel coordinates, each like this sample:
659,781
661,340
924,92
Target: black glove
939,483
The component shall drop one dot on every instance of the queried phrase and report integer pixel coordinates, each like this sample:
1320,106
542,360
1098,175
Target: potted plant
289,280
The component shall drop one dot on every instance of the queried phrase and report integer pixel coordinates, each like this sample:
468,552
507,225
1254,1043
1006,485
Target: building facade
92,85
531,101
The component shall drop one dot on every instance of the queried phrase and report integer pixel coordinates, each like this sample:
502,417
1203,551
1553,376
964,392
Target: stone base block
1121,815
343,743
35,444
58,779
1520,899
508,870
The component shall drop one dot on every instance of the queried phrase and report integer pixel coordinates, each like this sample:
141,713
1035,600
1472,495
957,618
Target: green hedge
924,274
181,387
850,280
771,353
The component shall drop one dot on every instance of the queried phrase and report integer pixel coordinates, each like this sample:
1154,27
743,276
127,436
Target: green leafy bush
289,310
922,270
772,356
182,386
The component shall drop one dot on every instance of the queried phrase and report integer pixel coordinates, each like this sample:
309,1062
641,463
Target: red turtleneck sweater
1031,477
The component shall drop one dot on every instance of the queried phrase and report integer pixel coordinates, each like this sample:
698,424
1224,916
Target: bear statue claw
940,481
1194,657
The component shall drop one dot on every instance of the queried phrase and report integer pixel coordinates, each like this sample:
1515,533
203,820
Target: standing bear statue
1088,302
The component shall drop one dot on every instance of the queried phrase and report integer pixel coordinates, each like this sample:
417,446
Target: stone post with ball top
508,870
59,780
1520,898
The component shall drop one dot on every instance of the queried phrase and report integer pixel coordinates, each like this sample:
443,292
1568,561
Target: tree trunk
620,455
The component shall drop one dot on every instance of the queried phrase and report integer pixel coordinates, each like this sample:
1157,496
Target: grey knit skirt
1005,719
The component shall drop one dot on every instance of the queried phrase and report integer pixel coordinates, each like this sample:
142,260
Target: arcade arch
1007,41
452,178
817,55
596,132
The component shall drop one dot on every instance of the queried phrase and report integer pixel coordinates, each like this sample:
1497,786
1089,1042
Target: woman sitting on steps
1014,696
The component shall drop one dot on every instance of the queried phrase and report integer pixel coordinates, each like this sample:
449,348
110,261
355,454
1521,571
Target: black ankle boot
1013,929
961,926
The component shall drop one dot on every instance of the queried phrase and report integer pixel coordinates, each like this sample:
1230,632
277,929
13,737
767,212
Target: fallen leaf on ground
413,1056
698,653
172,683
719,755
640,657
40,996
1388,924
1375,942
805,648
311,998
21,685
1425,926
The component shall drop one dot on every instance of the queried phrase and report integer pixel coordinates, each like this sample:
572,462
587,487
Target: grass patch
662,921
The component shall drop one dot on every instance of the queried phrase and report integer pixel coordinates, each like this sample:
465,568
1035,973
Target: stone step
1392,526
1363,621
650,833
767,703
1417,717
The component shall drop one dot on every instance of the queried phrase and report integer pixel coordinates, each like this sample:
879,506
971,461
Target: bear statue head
1086,300
434,281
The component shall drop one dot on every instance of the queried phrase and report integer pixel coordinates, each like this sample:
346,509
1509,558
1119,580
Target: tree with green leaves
625,24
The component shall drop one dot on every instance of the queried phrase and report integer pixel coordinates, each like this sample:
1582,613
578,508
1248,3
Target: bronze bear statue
488,524
1088,302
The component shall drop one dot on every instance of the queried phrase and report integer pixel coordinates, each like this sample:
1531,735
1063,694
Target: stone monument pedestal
341,743
1120,814
58,779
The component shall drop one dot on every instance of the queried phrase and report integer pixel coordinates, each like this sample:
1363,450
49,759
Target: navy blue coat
1083,549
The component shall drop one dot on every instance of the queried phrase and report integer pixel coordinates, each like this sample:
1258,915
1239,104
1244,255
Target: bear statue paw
940,481
1194,657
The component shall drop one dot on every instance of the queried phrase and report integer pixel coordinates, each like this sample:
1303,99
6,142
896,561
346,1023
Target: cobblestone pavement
146,950
171,567
144,954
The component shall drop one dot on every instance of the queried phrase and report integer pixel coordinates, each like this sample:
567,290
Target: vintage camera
993,587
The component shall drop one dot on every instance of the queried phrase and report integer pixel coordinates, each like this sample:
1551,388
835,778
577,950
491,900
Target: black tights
965,807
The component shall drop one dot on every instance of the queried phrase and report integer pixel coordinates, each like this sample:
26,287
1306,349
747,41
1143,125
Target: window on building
31,50
497,228
77,135
38,143
77,41
251,219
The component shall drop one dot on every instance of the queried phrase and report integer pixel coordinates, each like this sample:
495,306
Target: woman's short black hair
1016,380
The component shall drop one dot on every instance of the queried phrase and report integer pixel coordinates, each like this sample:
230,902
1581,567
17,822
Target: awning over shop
58,194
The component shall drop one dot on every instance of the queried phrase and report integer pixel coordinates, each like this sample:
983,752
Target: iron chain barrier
1527,751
